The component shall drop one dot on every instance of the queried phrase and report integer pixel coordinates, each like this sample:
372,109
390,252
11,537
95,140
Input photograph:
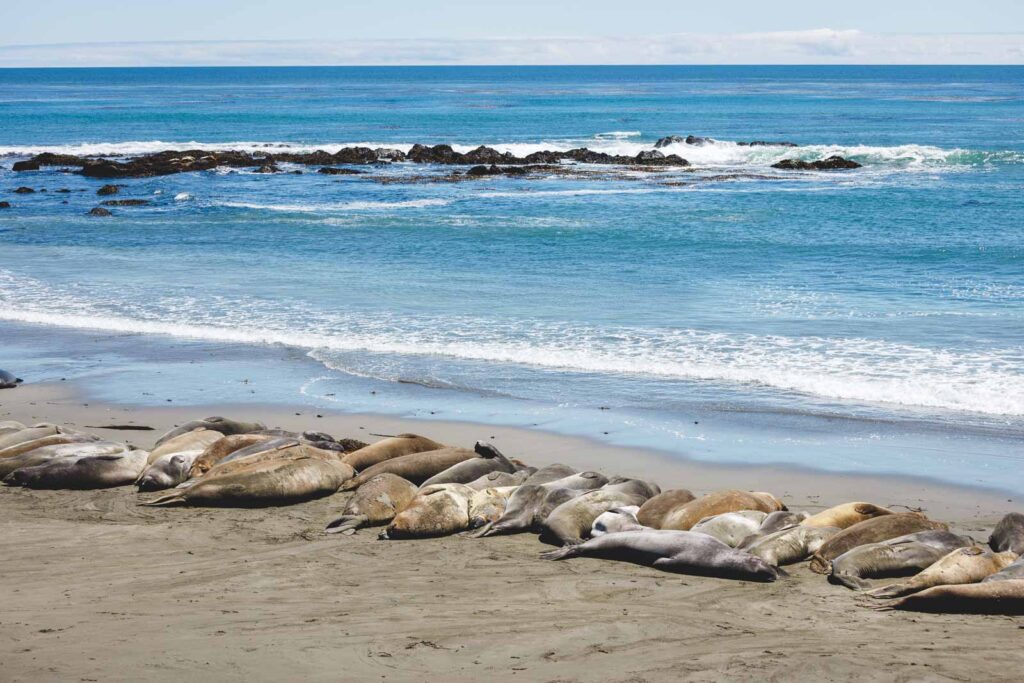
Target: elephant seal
899,556
684,552
548,474
221,449
995,597
789,545
963,565
28,434
438,510
52,440
874,530
488,505
493,480
292,450
530,504
731,527
217,424
615,520
274,443
167,472
1012,572
416,467
10,426
198,440
846,515
490,460
41,456
8,380
652,513
391,447
779,520
570,522
376,502
87,472
1008,534
732,500
274,482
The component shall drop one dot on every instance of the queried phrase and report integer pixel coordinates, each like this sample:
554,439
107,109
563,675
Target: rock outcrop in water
108,190
170,162
100,212
833,163
5,205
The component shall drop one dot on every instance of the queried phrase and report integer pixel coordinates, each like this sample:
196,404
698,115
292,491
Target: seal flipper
893,590
562,553
481,532
170,499
850,581
346,523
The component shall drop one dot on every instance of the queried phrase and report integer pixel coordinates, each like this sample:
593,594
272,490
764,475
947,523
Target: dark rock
328,170
125,202
24,190
5,205
489,155
833,163
669,140
100,211
108,190
267,168
355,155
696,140
63,190
655,158
493,170
387,154
766,143
544,157
30,165
649,156
438,154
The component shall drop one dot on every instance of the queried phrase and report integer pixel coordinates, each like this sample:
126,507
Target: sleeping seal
223,425
416,467
87,472
494,480
846,515
895,557
57,439
27,434
488,505
198,440
1012,572
685,552
221,449
731,527
683,518
995,597
376,502
169,463
9,381
490,460
530,504
616,519
570,522
46,454
789,545
438,510
10,426
782,519
963,565
652,513
874,530
263,484
391,447
549,473
1009,534
290,451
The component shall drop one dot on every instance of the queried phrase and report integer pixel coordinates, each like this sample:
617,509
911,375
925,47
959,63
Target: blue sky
145,32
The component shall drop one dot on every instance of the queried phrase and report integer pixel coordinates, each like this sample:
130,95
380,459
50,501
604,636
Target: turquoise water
868,320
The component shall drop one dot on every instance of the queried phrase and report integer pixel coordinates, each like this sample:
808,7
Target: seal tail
563,553
850,581
346,524
485,530
820,565
895,590
175,498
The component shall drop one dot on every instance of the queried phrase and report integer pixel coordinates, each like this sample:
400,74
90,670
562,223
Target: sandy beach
97,588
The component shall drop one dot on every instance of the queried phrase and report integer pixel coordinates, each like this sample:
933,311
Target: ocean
869,320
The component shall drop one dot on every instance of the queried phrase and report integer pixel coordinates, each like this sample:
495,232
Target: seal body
732,500
21,436
376,502
963,565
616,519
87,472
777,521
221,449
530,504
1009,534
846,515
872,530
195,440
731,527
438,510
493,480
46,454
391,447
995,597
894,557
488,505
1013,572
8,380
415,467
570,522
789,545
652,513
219,424
490,460
685,552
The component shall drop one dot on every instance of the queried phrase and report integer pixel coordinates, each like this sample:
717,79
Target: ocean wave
844,369
716,153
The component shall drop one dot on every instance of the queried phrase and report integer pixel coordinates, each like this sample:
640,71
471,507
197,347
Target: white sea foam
343,206
850,369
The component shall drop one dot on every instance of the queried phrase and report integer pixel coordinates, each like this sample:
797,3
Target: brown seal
391,447
652,513
416,467
874,530
732,500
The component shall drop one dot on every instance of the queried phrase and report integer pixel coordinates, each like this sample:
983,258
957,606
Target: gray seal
899,556
684,552
490,460
9,381
1008,534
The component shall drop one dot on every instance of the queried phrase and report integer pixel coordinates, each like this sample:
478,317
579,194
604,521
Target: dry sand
94,587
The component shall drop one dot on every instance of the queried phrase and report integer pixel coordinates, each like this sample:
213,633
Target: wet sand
95,587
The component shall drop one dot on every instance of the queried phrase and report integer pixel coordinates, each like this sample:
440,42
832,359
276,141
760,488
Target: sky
261,32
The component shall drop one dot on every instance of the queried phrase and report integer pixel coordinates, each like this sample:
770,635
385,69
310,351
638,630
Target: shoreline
229,593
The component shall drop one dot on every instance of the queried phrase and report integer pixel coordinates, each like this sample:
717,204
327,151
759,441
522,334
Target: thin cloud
819,46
